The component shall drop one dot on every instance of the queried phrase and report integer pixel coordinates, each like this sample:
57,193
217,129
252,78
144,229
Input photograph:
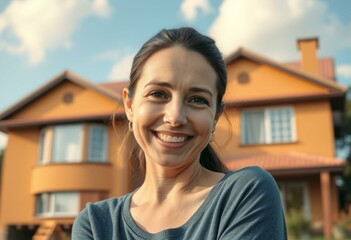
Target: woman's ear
128,104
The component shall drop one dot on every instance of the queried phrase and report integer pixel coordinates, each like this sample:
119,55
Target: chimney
308,48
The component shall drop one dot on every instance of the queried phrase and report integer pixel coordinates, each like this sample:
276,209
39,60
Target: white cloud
120,70
271,27
33,27
101,8
344,70
190,8
3,140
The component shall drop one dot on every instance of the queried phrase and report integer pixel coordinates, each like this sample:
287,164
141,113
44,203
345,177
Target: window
67,144
73,143
269,125
57,204
97,143
295,198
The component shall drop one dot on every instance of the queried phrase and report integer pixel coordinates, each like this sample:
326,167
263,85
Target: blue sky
98,38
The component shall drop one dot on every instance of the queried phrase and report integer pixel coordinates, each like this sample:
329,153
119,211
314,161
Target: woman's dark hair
189,39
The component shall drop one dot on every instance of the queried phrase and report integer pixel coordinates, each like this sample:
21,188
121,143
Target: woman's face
174,107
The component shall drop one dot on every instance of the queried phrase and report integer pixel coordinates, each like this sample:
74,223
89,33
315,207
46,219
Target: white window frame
267,125
45,140
51,203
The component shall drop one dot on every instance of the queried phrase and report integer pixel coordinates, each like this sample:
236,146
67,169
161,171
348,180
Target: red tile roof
285,161
325,67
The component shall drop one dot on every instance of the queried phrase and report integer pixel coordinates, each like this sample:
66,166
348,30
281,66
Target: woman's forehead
180,65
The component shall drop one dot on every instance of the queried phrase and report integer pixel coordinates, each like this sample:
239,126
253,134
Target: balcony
71,177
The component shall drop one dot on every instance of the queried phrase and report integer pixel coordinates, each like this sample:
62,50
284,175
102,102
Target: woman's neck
162,183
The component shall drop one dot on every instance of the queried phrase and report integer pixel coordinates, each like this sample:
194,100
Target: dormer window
72,143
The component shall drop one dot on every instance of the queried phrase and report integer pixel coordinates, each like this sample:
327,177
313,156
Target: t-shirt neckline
172,232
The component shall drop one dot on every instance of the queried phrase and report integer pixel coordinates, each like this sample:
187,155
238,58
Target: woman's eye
158,94
199,100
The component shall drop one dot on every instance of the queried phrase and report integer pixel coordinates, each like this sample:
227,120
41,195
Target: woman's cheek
147,112
204,122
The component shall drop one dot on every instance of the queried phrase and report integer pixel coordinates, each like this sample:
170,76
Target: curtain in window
67,145
43,203
254,127
66,202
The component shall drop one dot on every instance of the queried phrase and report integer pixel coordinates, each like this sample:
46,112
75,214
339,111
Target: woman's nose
175,114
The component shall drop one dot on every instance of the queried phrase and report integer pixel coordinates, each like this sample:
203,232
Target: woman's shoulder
251,172
247,186
252,176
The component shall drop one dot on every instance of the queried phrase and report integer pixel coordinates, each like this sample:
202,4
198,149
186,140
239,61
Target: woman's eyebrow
158,83
200,89
168,85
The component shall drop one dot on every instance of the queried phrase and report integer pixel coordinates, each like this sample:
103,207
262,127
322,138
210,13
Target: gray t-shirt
244,204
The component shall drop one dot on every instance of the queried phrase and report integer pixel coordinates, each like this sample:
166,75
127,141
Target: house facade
284,119
63,150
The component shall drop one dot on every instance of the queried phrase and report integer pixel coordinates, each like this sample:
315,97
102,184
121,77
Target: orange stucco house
62,152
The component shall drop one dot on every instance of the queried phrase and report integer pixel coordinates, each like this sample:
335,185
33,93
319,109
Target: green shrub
297,225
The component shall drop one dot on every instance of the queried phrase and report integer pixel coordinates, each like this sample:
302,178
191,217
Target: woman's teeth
168,138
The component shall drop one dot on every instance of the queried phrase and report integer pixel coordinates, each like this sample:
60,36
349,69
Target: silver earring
130,126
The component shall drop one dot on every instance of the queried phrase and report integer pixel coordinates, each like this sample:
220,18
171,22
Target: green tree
343,141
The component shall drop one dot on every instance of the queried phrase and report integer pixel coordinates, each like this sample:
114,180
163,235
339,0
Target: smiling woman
173,103
175,99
